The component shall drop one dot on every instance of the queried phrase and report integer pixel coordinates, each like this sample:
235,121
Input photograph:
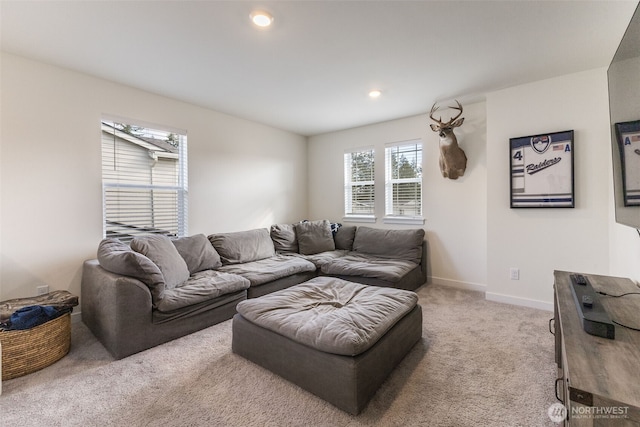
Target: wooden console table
598,378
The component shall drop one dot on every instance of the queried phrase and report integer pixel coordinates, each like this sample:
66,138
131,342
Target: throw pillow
284,237
344,237
163,253
335,226
198,253
315,237
117,257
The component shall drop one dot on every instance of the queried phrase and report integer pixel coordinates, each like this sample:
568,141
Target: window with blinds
403,180
144,181
359,188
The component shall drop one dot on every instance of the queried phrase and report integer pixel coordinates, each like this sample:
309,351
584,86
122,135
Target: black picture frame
542,170
628,136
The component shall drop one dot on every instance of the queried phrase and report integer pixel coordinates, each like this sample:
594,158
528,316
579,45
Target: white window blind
403,179
359,188
144,181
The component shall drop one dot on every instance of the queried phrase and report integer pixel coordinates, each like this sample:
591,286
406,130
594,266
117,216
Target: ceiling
310,73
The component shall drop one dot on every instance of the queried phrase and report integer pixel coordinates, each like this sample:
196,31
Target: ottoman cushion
330,314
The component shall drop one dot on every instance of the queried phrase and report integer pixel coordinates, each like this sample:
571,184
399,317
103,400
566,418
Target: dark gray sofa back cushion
284,237
344,237
315,237
243,246
402,244
164,254
117,257
198,253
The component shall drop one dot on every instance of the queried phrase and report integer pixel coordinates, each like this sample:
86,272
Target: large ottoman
336,339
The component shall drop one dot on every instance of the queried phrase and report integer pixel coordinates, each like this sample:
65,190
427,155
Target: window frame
391,216
127,178
349,185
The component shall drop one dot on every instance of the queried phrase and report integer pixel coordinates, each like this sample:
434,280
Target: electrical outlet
41,290
514,273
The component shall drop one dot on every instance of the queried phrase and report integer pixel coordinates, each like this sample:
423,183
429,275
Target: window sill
415,220
359,218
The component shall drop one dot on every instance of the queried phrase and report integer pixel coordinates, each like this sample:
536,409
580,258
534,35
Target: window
144,181
359,187
403,182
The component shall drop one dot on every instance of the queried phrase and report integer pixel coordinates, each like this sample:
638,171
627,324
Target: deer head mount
453,161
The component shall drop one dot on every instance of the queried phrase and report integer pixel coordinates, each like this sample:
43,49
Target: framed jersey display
628,134
542,171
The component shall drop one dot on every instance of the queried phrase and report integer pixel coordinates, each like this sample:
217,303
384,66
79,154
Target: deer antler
433,110
439,121
459,107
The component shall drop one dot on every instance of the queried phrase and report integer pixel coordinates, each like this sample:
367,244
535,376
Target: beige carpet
479,363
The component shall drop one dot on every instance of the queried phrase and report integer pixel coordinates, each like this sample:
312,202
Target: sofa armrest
114,307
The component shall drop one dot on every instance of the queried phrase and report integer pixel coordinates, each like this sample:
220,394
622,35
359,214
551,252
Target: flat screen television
624,109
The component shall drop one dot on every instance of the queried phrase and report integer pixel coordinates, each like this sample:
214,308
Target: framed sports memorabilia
628,134
542,171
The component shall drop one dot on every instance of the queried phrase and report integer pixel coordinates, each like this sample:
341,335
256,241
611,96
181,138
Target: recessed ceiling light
375,93
261,18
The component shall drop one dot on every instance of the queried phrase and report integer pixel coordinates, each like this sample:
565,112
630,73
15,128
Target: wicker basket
29,350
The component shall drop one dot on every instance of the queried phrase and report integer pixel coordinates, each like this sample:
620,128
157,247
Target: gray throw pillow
243,246
344,237
163,253
284,237
198,253
117,257
315,237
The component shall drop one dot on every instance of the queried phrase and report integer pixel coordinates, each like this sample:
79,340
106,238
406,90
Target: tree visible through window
144,181
403,183
359,188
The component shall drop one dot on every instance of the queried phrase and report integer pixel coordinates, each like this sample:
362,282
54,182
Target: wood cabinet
598,378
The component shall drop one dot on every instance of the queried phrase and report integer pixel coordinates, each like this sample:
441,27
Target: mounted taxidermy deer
453,161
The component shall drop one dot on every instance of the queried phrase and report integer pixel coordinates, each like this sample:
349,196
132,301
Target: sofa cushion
363,265
163,253
322,258
200,287
269,269
198,253
117,257
314,237
329,314
396,244
243,246
344,237
284,237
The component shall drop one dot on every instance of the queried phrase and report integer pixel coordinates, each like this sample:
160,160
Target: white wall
455,211
625,252
241,174
539,241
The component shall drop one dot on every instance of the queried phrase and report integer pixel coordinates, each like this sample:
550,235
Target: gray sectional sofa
155,289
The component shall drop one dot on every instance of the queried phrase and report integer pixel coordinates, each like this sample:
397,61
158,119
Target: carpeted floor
480,363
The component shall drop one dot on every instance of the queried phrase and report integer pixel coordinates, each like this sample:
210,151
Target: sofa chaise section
379,257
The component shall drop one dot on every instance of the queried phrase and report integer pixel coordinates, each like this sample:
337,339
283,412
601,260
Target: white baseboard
526,302
492,296
468,286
